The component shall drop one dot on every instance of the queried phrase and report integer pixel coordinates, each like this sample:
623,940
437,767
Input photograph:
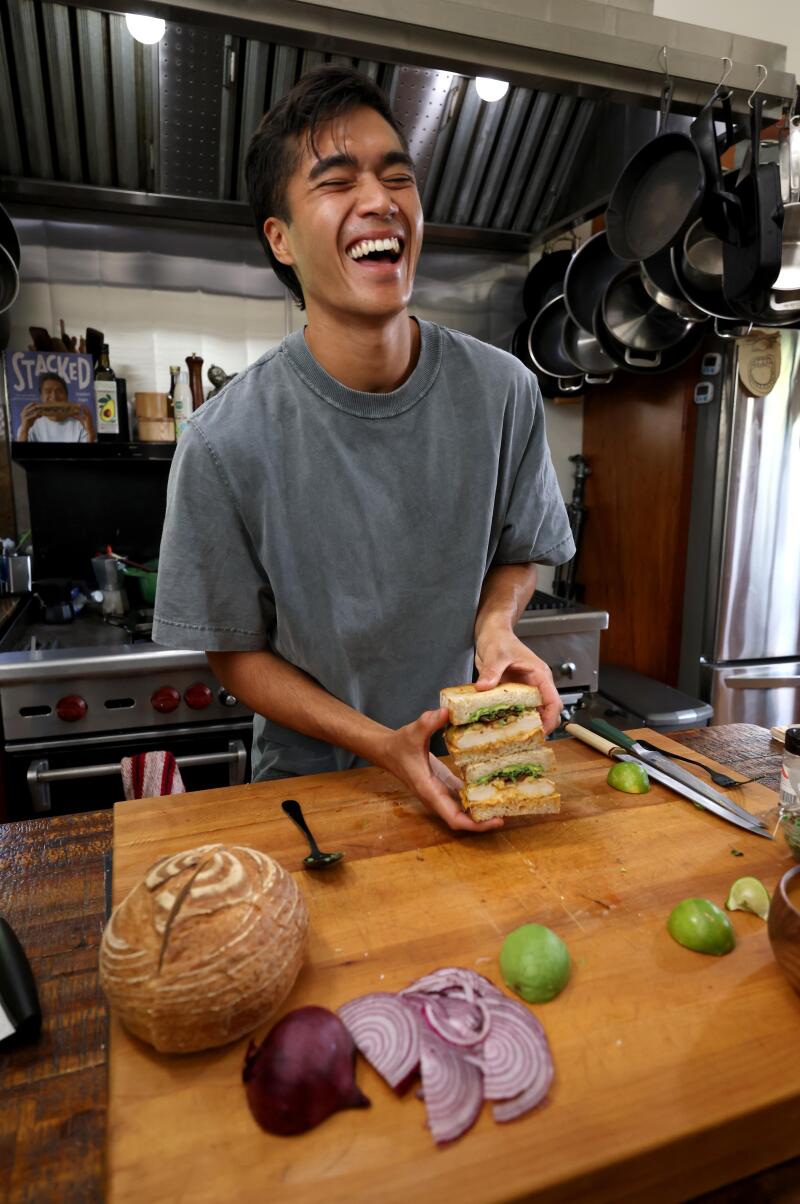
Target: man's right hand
406,753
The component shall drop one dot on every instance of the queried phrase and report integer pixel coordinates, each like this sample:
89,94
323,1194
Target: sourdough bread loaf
205,948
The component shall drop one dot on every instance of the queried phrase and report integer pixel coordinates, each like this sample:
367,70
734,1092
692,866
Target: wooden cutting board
676,1072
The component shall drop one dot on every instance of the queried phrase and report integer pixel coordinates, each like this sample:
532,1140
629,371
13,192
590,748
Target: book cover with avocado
50,397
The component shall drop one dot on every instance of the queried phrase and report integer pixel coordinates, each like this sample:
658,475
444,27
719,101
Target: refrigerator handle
763,683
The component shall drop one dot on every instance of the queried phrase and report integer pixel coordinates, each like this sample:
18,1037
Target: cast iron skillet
752,249
545,281
659,193
592,266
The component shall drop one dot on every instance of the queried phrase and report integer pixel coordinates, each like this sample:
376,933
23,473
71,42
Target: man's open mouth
377,250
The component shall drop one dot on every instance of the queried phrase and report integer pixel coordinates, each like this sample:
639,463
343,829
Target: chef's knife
20,1013
750,824
657,760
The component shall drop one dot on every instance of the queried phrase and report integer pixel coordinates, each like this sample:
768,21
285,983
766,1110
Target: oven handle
40,775
762,683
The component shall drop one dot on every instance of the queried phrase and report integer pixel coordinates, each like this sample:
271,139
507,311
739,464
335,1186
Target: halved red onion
515,1057
457,1021
452,1088
387,1033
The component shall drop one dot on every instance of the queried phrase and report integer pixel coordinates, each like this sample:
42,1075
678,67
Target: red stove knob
198,696
71,708
165,699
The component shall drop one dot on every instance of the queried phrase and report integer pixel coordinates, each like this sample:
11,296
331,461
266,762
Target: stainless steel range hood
92,120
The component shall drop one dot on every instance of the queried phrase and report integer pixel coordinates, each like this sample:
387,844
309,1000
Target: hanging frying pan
519,347
546,346
545,281
583,349
661,285
592,266
634,319
646,363
659,193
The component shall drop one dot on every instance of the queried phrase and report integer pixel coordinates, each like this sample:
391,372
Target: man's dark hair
52,376
277,145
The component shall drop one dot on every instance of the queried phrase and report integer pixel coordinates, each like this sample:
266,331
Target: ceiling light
491,89
145,29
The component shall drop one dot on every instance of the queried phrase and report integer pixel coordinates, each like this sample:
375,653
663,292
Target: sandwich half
488,721
520,796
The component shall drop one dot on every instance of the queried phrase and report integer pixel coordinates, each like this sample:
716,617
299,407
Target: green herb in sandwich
511,773
496,714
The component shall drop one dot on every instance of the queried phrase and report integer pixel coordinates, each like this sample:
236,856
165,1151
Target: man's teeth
368,245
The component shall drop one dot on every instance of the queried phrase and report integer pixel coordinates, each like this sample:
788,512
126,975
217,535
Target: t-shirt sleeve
535,527
213,594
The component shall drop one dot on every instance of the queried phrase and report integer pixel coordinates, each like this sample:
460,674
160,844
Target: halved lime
629,776
700,925
535,963
748,894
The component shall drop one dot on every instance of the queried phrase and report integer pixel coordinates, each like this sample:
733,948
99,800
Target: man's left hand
500,656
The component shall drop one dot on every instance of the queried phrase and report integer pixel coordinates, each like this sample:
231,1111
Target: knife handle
612,733
591,738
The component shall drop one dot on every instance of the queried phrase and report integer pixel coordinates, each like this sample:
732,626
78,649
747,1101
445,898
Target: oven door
61,777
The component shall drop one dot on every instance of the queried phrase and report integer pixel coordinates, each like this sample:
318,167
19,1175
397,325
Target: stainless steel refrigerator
741,624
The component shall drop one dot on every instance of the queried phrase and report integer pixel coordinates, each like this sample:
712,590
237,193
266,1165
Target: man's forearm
281,692
507,589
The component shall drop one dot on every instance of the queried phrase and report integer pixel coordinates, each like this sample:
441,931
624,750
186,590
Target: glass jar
789,801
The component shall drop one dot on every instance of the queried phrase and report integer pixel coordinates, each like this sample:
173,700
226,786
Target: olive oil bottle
111,405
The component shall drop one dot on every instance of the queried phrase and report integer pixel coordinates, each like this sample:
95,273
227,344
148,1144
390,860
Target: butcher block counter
675,1073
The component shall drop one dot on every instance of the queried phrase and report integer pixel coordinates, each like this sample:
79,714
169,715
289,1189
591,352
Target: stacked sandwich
496,740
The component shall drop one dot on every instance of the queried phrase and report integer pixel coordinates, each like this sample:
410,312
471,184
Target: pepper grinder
195,365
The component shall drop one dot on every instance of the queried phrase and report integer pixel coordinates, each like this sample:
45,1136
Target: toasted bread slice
489,738
464,702
539,757
528,796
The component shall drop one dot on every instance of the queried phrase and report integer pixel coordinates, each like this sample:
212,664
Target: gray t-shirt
351,532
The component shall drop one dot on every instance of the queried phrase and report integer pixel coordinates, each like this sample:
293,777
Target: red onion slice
387,1034
456,1021
454,978
515,1057
452,1088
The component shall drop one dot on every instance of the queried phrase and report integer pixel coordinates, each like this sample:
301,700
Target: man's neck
371,358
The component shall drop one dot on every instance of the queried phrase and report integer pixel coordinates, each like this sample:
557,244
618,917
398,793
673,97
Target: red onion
302,1072
454,978
387,1033
452,1087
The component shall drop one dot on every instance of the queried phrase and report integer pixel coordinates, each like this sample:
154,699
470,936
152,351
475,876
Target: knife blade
595,740
657,760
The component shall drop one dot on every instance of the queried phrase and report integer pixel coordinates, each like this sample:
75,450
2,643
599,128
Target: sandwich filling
497,714
511,773
481,735
498,791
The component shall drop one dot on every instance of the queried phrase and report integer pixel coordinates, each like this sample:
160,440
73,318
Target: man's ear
276,232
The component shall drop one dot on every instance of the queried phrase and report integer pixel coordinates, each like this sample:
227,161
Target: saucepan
546,346
635,319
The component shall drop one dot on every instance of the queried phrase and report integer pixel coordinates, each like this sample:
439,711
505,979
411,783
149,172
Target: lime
700,925
748,894
535,963
629,776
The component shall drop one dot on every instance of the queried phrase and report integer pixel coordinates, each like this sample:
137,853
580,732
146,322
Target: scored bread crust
205,948
461,701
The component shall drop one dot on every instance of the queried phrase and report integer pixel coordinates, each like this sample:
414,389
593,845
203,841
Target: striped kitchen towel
152,773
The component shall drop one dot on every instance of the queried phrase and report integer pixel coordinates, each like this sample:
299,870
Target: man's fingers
438,799
489,677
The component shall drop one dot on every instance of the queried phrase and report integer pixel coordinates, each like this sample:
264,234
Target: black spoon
316,860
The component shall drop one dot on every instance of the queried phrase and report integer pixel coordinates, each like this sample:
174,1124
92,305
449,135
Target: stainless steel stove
76,697
566,635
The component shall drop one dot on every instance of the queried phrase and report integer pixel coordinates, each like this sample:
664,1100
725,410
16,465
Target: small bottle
789,799
181,402
111,406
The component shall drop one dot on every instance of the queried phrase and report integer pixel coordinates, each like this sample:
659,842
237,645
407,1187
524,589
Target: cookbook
50,397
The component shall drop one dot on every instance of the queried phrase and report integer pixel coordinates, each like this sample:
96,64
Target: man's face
53,393
358,188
